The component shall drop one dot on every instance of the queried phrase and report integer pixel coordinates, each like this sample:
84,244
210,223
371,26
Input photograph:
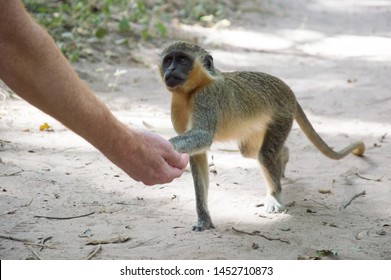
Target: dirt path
335,55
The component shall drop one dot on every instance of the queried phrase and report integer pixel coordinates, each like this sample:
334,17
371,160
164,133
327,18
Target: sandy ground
335,55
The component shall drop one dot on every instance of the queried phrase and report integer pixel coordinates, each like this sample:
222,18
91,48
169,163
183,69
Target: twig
141,243
92,254
324,205
257,233
34,253
64,218
11,174
28,204
369,179
43,240
351,200
118,239
40,245
16,239
25,241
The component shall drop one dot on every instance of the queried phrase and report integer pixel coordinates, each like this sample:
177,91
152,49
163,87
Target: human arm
34,68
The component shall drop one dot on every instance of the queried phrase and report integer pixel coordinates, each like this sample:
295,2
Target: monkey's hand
193,142
273,204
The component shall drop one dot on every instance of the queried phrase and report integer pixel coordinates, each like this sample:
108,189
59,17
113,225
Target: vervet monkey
255,109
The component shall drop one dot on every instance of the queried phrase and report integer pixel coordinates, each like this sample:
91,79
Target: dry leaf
45,127
324,191
326,253
306,258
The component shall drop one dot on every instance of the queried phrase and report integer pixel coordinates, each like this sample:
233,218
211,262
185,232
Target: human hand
147,157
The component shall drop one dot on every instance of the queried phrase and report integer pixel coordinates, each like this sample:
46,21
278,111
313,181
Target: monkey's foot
273,205
203,225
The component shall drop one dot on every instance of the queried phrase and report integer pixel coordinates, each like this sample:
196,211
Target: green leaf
74,57
145,34
124,25
162,28
122,41
101,32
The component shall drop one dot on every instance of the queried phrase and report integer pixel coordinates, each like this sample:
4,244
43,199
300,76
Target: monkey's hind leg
273,157
200,172
284,158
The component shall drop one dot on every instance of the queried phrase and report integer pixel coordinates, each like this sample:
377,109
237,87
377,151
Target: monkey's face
176,67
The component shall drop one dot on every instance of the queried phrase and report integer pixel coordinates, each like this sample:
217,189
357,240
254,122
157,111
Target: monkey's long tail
357,148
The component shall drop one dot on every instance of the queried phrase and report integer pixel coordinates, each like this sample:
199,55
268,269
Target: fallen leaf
326,253
306,258
324,191
45,127
87,233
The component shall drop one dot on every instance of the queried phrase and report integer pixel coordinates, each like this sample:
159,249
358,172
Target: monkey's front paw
273,205
174,142
203,225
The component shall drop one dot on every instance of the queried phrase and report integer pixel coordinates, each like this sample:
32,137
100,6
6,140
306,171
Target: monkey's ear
208,63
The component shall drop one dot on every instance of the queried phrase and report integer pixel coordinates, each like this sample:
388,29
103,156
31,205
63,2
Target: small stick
261,235
324,205
40,245
118,239
351,200
16,239
64,218
34,253
383,137
369,179
43,240
91,255
26,241
11,174
28,204
141,243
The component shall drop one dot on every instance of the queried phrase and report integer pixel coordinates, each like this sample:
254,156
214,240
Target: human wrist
115,140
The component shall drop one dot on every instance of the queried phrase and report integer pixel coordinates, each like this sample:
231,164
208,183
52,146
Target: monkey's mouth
173,81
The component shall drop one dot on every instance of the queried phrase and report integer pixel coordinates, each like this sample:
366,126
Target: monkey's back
247,101
251,91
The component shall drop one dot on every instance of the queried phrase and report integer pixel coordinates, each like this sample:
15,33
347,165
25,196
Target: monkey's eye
167,61
182,60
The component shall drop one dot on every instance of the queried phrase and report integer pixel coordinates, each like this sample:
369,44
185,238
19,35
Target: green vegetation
78,25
